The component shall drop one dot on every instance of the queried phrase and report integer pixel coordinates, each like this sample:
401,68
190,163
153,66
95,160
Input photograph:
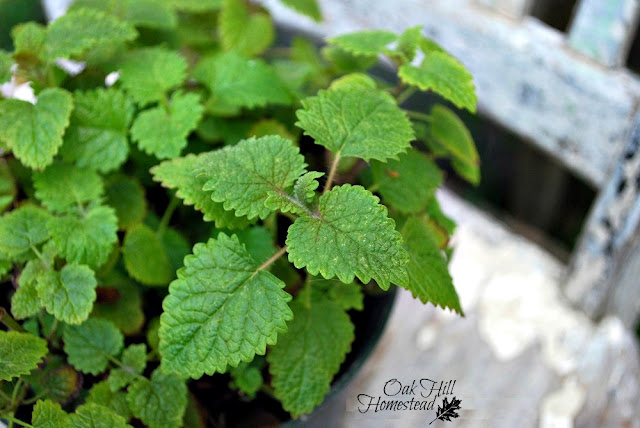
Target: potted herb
190,213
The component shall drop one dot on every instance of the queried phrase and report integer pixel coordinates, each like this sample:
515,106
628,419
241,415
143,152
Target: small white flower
22,91
111,78
73,68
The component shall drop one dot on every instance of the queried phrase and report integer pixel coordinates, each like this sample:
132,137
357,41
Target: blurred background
547,260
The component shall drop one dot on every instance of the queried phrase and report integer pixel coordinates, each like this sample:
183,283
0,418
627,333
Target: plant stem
124,367
36,398
152,355
8,321
40,256
13,420
267,390
405,95
164,221
290,216
52,331
307,290
4,395
332,173
418,116
273,258
297,203
16,392
374,187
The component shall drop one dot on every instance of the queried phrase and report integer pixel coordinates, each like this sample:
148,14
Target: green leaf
8,188
6,62
176,245
258,242
221,310
90,344
126,310
303,195
467,171
163,131
444,75
48,414
236,81
194,6
145,258
226,130
69,294
20,353
346,62
92,415
441,219
101,394
429,278
148,73
242,176
97,135
150,14
242,32
183,174
347,296
305,187
409,182
88,239
126,196
34,132
23,228
307,357
265,127
25,301
354,120
309,8
79,31
451,134
354,79
60,383
349,236
409,41
134,360
63,186
140,13
367,42
247,377
159,402
152,333
28,39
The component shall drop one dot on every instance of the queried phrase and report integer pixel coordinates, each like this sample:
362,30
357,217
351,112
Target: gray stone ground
522,357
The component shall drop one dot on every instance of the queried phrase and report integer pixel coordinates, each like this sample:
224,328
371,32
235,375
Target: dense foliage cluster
181,165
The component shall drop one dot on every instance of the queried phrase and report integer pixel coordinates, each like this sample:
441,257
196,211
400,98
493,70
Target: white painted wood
511,8
603,30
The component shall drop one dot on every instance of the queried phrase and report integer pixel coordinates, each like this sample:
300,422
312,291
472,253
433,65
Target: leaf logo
447,410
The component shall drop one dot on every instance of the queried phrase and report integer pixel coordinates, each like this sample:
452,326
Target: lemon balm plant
192,201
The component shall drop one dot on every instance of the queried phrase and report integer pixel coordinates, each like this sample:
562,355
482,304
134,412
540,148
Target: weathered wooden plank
603,30
528,79
598,262
625,297
511,8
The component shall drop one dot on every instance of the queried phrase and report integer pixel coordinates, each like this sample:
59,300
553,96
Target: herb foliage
209,124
